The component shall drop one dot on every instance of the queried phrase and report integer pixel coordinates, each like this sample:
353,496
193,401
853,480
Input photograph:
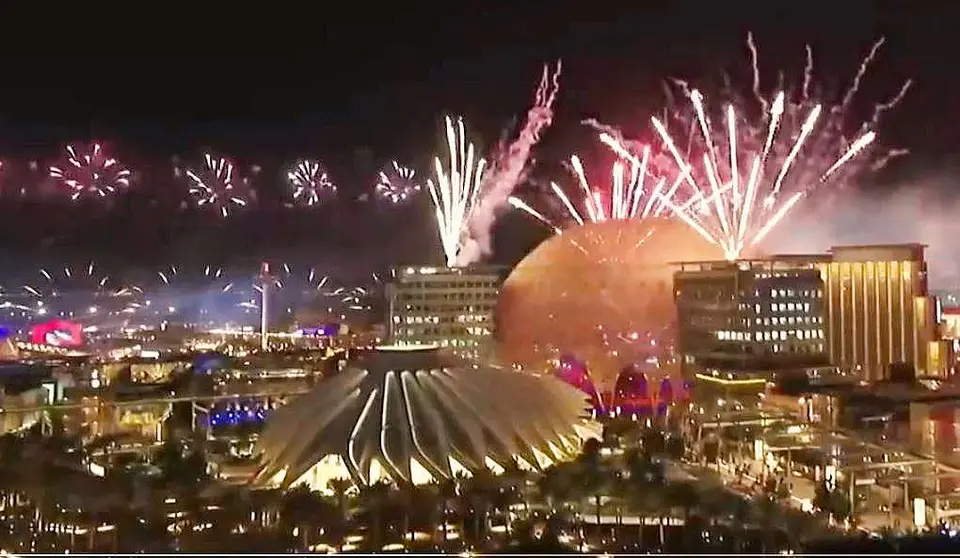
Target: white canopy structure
414,415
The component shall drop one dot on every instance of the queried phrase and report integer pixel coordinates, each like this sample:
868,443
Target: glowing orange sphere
601,293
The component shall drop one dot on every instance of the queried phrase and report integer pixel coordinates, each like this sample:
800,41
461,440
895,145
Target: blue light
234,414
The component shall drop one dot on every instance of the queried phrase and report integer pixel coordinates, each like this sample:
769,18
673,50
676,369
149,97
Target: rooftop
913,247
748,263
908,245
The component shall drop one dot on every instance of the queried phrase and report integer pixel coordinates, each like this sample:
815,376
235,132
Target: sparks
171,274
633,189
507,171
305,282
214,186
310,182
90,173
396,184
456,189
66,278
746,175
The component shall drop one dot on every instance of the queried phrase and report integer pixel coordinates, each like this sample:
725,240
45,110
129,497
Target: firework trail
175,278
628,196
171,274
311,281
214,186
455,192
67,279
309,181
90,173
734,178
506,172
353,297
397,183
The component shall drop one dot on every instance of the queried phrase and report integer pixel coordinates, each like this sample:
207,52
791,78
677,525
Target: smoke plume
507,171
918,213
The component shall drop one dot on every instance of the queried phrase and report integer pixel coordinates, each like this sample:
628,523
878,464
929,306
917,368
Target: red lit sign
57,333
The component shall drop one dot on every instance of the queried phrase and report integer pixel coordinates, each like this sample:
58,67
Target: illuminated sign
57,333
327,330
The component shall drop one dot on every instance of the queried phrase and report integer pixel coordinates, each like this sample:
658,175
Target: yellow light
725,382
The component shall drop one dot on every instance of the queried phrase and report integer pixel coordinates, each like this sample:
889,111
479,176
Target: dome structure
415,414
601,293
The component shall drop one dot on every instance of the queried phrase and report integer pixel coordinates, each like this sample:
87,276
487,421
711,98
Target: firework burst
67,279
172,274
214,186
91,173
298,280
310,182
457,188
734,178
210,279
397,183
626,198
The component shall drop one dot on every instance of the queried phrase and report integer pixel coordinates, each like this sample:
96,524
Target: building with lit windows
862,309
880,311
447,307
750,318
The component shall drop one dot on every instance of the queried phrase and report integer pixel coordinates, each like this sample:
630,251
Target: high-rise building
863,309
880,311
448,307
750,317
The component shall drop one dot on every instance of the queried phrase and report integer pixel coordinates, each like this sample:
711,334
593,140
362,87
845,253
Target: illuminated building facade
880,311
448,307
751,317
933,429
413,415
950,323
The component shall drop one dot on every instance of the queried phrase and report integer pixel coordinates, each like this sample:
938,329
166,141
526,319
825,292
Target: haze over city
656,279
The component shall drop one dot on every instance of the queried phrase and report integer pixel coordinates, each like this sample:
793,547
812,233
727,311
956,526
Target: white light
919,512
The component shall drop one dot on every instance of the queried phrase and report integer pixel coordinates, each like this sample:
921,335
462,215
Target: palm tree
741,512
480,491
768,514
341,495
647,489
653,441
446,492
375,498
685,496
402,502
594,480
556,485
515,479
300,507
423,505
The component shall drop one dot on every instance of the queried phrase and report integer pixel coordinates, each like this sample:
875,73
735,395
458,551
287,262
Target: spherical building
599,293
412,415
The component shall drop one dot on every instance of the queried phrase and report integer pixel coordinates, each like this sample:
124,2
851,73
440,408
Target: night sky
357,86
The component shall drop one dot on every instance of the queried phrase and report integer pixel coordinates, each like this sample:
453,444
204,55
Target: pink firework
734,174
397,183
310,182
214,186
91,173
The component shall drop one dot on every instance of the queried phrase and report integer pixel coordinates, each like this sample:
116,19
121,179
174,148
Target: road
97,402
